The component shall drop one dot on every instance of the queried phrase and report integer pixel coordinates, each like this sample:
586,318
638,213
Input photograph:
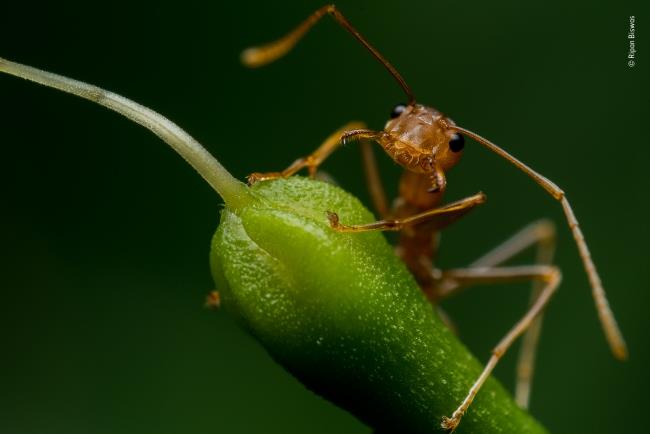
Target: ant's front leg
312,161
437,217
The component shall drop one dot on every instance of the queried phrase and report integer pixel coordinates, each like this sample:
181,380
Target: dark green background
105,232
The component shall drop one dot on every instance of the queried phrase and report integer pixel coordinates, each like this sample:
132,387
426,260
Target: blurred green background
105,231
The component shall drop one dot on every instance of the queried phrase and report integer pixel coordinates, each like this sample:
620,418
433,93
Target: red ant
427,144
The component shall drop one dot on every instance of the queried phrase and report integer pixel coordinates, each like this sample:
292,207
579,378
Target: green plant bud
342,314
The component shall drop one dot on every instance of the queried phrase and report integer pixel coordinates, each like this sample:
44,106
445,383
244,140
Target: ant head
424,130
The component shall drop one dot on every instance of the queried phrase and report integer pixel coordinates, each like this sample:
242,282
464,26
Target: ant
426,143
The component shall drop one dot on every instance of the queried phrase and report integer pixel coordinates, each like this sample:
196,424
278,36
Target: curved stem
233,192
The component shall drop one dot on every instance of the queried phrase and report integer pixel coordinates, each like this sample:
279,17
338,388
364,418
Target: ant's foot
257,177
334,220
336,224
253,178
451,423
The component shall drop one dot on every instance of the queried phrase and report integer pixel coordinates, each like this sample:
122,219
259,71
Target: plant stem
233,192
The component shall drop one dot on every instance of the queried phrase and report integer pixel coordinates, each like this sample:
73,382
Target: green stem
233,192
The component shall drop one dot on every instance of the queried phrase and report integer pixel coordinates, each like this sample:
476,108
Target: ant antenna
610,327
254,57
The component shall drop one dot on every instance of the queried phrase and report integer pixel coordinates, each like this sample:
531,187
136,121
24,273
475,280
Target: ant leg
312,161
549,276
254,57
438,218
213,300
373,180
542,235
608,321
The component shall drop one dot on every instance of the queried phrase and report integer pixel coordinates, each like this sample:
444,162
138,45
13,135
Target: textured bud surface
341,313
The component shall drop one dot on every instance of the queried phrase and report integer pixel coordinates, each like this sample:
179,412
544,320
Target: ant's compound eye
397,110
457,143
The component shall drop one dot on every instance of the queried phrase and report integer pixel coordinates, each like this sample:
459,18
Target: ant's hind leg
548,276
312,161
540,234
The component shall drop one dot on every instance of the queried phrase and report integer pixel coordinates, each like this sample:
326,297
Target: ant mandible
426,143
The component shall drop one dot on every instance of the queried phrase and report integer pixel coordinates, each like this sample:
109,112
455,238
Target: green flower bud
341,313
